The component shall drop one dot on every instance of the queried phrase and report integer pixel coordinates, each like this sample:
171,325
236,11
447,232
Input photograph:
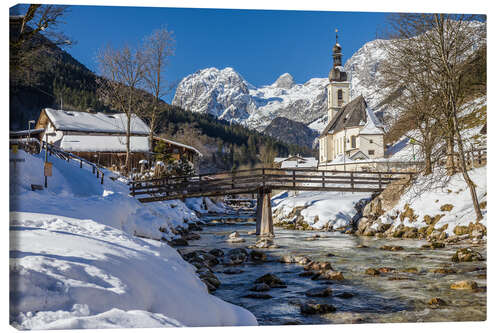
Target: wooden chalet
96,136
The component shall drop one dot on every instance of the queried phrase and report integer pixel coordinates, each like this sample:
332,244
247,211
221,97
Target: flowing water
393,297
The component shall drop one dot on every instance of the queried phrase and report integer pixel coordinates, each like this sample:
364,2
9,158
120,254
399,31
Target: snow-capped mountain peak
285,81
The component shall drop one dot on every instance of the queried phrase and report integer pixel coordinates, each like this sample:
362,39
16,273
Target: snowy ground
75,261
335,209
427,199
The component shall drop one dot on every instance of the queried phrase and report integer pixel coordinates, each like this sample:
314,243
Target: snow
96,122
333,209
181,145
306,162
104,143
373,125
78,273
76,260
427,199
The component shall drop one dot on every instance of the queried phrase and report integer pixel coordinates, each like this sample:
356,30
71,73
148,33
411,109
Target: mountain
226,95
290,131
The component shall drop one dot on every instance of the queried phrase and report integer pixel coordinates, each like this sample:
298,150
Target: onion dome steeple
335,73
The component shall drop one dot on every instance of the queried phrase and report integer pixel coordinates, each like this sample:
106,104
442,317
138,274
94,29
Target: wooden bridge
261,181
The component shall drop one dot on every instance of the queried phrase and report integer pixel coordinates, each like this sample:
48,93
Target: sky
259,44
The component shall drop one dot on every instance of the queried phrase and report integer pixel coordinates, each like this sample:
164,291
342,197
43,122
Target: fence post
133,189
293,172
263,177
81,164
93,168
102,177
380,181
352,179
323,178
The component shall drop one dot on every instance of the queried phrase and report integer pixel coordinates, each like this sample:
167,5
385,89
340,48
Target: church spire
337,51
336,74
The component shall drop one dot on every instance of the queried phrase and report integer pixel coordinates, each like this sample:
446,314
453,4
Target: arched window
339,95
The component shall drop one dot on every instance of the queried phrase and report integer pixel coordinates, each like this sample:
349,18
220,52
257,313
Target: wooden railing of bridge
262,179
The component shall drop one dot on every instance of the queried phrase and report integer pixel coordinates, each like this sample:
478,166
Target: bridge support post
264,223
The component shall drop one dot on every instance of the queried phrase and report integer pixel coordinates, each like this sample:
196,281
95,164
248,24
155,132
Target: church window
371,152
339,96
371,141
353,141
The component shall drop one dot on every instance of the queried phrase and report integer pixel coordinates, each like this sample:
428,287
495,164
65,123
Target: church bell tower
338,87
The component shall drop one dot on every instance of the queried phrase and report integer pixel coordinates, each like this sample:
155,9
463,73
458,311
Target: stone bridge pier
264,220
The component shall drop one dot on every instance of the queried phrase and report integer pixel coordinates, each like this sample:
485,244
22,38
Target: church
353,133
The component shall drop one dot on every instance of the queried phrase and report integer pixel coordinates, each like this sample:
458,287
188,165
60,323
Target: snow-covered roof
373,124
103,143
180,145
279,159
96,122
305,162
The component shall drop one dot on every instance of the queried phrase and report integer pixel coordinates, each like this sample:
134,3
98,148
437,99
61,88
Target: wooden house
96,136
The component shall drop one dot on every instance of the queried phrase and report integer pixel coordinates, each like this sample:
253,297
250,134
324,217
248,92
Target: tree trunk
450,155
428,161
465,174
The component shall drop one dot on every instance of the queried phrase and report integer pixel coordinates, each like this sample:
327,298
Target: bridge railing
251,180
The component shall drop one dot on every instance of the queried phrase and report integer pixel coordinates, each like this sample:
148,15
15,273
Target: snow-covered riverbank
75,260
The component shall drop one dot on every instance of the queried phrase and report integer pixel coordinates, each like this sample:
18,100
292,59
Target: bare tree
122,70
158,47
32,29
429,56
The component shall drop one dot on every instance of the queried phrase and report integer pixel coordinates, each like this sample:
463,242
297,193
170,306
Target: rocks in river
234,237
201,257
260,287
328,275
317,266
271,280
236,256
344,294
258,296
464,285
191,236
391,248
412,270
436,302
251,233
307,274
444,270
466,254
235,240
313,308
433,245
295,260
231,271
386,269
319,292
265,243
361,246
257,256
178,242
372,271
216,252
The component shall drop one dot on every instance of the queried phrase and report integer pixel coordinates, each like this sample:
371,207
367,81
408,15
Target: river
399,296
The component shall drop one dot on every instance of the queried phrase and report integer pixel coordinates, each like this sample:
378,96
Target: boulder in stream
313,308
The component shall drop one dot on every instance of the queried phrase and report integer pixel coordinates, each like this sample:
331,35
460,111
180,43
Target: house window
371,152
353,141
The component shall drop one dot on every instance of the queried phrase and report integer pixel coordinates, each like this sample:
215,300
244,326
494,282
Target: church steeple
337,51
335,73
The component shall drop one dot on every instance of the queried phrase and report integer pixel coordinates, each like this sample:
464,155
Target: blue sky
259,44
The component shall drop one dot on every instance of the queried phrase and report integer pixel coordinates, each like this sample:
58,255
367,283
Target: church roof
354,113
